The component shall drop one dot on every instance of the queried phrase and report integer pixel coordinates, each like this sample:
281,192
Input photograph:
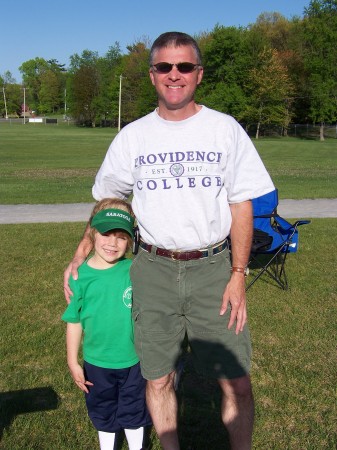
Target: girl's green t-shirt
102,303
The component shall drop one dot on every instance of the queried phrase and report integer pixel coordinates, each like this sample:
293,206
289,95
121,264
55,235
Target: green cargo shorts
172,299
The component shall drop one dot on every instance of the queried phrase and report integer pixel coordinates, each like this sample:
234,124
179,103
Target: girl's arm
74,336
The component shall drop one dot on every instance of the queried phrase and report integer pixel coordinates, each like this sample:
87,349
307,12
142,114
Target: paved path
79,212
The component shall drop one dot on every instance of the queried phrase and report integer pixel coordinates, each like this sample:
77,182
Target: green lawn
293,331
57,164
294,360
50,164
301,168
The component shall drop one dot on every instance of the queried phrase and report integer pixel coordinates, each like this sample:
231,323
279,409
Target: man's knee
160,384
237,387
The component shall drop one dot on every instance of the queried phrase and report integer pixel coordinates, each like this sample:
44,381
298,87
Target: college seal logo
177,170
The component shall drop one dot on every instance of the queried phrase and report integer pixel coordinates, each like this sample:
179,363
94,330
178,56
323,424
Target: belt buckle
172,256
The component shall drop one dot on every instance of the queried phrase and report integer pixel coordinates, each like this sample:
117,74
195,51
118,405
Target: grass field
294,362
50,164
293,332
57,164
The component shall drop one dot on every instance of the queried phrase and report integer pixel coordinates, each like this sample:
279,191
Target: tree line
274,72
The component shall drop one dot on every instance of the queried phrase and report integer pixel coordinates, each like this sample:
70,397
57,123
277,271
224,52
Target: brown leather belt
186,256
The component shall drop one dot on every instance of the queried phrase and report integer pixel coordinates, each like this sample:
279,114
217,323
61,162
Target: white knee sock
135,438
106,440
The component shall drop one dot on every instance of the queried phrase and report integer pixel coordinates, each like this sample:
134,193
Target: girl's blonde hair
111,203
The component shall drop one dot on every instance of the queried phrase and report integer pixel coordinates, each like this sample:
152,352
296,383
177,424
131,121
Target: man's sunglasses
183,67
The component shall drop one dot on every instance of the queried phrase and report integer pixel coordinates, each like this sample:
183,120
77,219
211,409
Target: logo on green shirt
127,297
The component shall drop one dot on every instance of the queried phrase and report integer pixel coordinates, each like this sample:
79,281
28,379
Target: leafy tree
138,95
11,96
293,60
226,62
55,66
270,88
274,30
85,88
7,78
44,81
50,93
88,58
109,70
320,54
97,100
228,98
13,99
31,76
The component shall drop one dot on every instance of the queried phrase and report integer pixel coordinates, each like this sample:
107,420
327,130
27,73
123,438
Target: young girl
101,309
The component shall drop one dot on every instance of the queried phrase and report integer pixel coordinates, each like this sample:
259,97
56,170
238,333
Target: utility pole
120,102
24,105
3,90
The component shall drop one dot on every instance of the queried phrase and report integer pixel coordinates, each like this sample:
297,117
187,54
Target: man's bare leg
162,403
237,411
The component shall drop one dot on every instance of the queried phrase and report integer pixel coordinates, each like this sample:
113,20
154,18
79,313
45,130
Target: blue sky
56,29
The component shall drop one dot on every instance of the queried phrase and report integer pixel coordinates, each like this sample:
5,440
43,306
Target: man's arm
241,240
82,251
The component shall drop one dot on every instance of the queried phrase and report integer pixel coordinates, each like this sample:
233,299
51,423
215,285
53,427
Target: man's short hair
177,39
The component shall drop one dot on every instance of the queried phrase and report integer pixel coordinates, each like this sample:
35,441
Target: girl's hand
78,376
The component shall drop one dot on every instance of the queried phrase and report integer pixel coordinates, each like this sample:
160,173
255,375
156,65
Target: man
193,172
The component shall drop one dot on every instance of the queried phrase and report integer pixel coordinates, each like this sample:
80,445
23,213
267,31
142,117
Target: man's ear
200,74
152,77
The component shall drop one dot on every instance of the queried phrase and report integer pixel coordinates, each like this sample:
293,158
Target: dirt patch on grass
54,173
304,172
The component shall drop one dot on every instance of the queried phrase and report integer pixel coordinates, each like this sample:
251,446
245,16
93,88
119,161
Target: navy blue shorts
117,399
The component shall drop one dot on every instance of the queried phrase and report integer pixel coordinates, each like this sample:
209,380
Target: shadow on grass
13,403
199,398
199,422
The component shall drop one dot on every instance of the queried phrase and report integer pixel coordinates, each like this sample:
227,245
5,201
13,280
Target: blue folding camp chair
273,238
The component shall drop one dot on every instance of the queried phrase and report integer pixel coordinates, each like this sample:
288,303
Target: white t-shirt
183,175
